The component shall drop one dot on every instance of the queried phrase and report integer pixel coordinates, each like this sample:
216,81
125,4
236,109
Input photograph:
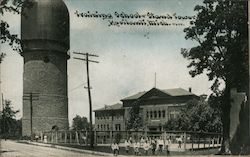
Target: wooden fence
190,140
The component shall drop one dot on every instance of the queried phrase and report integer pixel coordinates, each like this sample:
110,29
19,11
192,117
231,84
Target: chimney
190,89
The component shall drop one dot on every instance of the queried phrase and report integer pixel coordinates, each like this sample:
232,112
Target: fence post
218,141
56,137
95,137
65,137
52,139
204,142
111,138
198,141
86,143
41,136
77,138
61,137
209,142
192,145
185,140
213,141
70,137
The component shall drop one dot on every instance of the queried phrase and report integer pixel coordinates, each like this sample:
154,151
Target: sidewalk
67,148
180,152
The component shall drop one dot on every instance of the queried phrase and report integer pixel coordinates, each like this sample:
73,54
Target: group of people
143,146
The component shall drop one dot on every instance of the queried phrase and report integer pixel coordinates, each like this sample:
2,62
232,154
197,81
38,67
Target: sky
129,56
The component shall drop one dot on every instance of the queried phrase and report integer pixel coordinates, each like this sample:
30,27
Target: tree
196,116
221,33
8,118
80,123
11,6
135,121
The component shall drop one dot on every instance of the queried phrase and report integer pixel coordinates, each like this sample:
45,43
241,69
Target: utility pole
4,117
155,79
87,60
1,98
31,97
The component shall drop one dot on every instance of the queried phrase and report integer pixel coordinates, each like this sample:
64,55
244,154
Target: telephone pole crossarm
85,60
91,55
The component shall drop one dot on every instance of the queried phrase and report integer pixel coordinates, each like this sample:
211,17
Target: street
13,149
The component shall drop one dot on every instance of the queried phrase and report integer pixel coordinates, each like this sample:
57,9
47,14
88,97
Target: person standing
136,147
179,140
115,148
153,144
146,147
127,146
160,144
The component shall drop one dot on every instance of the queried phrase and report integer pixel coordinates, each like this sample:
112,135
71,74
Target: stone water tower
45,43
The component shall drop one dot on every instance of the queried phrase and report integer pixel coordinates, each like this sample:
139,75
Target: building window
98,127
104,127
151,114
147,114
118,127
159,114
163,113
108,126
155,114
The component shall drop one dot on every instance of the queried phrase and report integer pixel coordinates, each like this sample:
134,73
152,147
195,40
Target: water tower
45,43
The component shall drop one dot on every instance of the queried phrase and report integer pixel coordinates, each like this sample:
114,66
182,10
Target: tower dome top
46,20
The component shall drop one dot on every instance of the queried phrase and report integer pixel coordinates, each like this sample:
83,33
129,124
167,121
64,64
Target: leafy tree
196,116
11,6
221,33
8,120
80,123
135,121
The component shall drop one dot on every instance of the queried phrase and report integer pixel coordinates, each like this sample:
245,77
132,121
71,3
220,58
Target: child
115,148
160,143
136,147
179,140
146,147
127,145
153,143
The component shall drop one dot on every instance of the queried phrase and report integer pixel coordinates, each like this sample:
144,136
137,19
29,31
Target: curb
67,148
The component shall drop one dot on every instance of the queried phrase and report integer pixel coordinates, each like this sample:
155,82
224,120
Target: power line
87,60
